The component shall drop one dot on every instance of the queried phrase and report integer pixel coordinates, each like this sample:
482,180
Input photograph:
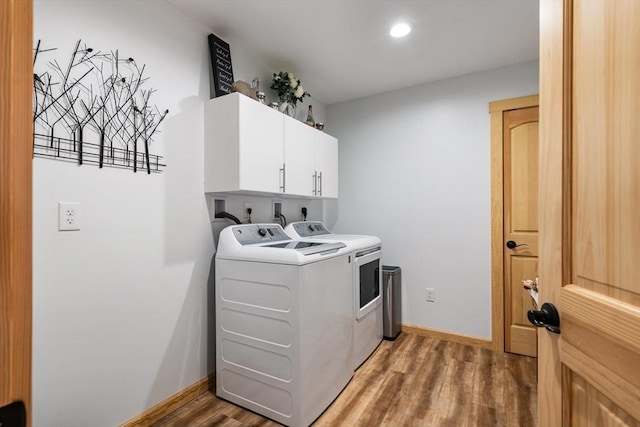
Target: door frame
16,142
554,194
496,110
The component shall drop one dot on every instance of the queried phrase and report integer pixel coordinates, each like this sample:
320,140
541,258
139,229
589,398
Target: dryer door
368,281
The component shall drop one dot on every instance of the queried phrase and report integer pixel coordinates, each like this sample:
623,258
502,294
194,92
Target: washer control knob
262,232
311,228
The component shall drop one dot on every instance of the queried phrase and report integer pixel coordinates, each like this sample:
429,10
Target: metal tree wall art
94,111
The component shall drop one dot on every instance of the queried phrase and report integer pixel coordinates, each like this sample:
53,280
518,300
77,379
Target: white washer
284,322
367,283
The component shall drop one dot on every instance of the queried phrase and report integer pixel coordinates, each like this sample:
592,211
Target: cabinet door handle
283,186
315,183
320,186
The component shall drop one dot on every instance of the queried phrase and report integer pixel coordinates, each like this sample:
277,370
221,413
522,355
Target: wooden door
589,375
16,141
514,217
520,154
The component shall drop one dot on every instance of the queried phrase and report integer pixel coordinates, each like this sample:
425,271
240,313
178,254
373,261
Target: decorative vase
288,108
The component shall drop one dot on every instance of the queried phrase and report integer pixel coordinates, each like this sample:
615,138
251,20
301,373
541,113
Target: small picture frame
220,65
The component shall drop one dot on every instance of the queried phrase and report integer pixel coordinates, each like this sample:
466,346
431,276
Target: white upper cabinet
299,157
244,146
326,165
311,159
253,148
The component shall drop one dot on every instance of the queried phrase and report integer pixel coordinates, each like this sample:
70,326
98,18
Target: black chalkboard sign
220,65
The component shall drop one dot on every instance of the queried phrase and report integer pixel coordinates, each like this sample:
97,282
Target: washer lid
317,231
269,243
308,248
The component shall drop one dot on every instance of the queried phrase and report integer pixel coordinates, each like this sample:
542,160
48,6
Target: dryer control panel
310,228
248,234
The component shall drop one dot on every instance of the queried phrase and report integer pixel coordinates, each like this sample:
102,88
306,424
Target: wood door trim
513,103
16,141
554,202
497,109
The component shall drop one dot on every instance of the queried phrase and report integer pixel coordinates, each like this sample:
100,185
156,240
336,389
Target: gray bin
391,279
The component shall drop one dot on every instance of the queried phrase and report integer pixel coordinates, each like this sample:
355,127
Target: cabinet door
261,148
326,164
299,157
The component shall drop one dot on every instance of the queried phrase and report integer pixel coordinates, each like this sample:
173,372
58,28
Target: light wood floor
414,381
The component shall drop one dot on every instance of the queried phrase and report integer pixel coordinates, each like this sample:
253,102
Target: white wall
415,170
122,308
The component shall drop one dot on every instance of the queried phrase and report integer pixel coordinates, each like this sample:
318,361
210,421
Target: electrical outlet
430,294
68,216
247,206
304,210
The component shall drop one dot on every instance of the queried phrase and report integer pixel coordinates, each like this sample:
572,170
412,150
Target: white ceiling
341,49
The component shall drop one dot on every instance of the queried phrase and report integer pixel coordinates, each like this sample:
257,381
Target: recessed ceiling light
400,30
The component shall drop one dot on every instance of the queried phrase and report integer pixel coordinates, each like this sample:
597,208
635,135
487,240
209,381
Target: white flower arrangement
288,88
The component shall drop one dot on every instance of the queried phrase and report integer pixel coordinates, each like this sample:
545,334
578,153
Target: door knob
512,244
13,415
546,317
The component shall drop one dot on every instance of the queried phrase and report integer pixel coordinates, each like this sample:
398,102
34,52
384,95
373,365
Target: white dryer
284,322
367,283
